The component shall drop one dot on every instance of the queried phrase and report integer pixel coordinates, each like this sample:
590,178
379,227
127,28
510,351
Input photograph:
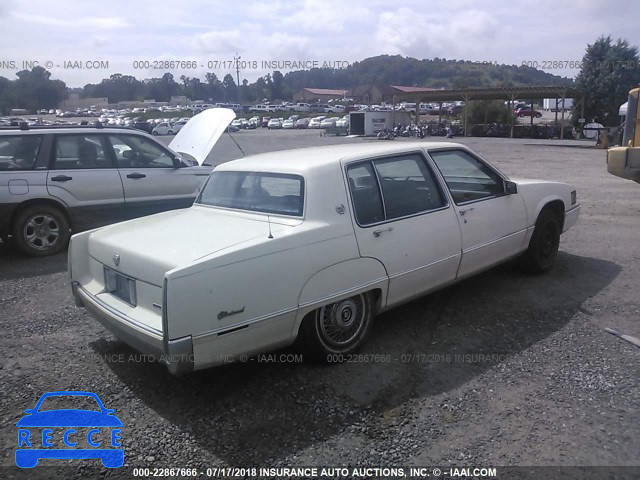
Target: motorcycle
385,135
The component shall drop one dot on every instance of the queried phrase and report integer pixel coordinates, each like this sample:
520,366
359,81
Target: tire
154,132
40,230
170,132
543,247
322,330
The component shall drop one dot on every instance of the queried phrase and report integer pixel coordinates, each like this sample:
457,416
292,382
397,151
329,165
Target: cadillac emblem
116,259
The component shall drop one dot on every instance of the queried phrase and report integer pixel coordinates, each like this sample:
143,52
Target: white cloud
122,31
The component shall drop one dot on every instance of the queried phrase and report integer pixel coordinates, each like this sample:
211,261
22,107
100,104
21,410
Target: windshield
276,193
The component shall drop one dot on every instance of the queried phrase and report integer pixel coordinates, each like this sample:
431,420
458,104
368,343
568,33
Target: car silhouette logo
116,259
32,447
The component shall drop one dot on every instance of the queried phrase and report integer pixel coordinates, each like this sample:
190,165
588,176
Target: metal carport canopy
496,93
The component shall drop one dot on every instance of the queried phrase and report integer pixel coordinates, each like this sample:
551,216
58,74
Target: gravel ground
502,369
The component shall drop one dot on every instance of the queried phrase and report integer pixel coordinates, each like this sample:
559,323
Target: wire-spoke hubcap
41,231
342,322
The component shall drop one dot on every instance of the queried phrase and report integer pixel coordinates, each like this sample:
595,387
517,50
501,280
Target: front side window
19,152
80,152
275,193
467,177
136,151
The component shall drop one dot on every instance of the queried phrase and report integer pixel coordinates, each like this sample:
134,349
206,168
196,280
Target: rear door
83,176
402,218
493,223
152,183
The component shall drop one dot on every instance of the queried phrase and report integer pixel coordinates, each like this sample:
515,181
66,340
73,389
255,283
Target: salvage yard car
57,180
309,245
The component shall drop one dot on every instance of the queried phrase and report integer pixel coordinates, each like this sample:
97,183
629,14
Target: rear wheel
41,230
337,328
543,247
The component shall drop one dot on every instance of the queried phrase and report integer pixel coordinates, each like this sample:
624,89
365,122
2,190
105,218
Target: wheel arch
556,206
339,281
41,201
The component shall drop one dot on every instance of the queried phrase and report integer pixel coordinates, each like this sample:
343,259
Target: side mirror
510,188
177,162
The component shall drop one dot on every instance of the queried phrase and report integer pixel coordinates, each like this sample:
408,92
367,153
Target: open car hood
199,135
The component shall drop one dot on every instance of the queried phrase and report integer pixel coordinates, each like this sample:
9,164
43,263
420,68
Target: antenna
269,222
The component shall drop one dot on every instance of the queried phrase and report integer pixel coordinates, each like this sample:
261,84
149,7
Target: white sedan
275,123
276,249
316,121
164,128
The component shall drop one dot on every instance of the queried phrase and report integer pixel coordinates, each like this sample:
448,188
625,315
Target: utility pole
237,60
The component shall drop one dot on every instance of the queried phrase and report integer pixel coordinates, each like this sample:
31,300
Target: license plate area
120,286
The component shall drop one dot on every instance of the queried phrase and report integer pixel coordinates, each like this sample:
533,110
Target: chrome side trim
343,292
396,275
246,323
572,209
473,249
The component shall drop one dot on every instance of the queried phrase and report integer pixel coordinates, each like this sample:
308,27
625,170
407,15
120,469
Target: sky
121,36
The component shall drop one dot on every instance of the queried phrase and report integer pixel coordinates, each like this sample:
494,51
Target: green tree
34,89
214,87
488,111
609,70
230,88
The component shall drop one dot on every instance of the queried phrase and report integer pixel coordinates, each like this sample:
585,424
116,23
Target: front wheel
41,230
337,328
543,247
170,132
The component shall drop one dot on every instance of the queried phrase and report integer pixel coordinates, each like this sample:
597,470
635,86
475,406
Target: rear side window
408,186
367,201
19,152
72,152
391,188
255,191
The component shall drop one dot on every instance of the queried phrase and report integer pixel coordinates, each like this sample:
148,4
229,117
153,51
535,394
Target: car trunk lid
148,247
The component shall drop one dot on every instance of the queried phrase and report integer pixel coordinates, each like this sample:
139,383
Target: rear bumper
176,354
571,217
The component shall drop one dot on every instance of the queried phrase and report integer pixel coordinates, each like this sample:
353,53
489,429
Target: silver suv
54,181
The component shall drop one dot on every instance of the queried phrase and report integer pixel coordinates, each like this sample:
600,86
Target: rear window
19,152
276,193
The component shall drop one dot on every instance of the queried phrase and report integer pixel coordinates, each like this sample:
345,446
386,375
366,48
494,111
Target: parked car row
293,122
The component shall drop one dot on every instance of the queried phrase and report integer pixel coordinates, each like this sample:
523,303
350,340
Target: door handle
136,175
61,178
376,233
465,210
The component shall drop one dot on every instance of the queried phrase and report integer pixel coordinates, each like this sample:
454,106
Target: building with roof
318,95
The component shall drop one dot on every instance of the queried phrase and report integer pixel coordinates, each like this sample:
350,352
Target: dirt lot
507,369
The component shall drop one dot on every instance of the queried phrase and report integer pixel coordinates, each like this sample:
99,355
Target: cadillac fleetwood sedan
309,245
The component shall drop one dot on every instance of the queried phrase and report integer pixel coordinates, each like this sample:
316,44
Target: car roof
304,160
76,130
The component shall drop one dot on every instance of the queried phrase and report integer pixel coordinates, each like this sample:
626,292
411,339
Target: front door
493,223
152,183
403,219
